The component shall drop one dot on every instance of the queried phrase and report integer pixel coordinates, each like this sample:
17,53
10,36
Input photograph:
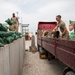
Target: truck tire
68,71
50,56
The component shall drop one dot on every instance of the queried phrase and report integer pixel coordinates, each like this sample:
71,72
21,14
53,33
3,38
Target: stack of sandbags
9,22
6,36
47,33
44,33
3,27
50,34
9,36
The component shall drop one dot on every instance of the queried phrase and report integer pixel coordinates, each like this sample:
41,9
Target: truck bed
64,50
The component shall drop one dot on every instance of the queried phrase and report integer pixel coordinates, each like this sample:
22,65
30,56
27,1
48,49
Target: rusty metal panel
65,51
49,45
47,25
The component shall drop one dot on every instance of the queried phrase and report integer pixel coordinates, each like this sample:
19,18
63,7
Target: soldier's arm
55,28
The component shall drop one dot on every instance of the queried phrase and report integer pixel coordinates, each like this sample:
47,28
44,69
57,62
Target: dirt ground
33,65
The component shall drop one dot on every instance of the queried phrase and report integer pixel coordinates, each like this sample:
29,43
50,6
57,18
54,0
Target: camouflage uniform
61,25
15,25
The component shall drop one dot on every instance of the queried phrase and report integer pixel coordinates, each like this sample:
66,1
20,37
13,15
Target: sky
32,11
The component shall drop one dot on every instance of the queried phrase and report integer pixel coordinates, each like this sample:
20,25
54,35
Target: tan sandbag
47,33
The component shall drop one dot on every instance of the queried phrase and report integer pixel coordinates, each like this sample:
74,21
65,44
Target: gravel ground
33,65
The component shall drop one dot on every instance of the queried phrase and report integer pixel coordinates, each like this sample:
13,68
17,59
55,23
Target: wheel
50,56
70,73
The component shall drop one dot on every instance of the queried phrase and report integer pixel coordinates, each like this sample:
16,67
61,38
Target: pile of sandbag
44,33
9,22
48,34
6,36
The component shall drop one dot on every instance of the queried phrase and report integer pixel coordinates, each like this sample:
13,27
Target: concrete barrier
11,58
4,60
21,54
23,46
1,61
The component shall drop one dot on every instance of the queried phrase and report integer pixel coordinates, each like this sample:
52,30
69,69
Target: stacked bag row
6,37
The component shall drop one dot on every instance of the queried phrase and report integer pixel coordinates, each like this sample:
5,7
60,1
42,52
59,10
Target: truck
56,48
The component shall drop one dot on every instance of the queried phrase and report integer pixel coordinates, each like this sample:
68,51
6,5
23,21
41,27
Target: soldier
61,25
73,24
15,25
71,33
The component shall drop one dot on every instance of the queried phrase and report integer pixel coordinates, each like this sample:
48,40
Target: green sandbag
6,34
3,27
1,41
8,39
1,45
8,21
19,34
10,33
3,34
15,36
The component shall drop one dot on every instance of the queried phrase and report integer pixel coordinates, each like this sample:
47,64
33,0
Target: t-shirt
15,20
61,25
71,35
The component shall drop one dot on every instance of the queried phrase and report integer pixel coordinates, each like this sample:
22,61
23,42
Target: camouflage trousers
66,36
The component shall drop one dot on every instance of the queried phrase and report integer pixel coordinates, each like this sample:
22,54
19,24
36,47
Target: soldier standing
15,25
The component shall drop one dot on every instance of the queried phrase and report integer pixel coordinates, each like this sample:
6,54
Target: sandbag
1,41
19,34
1,45
8,21
3,27
8,39
15,36
11,32
6,34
